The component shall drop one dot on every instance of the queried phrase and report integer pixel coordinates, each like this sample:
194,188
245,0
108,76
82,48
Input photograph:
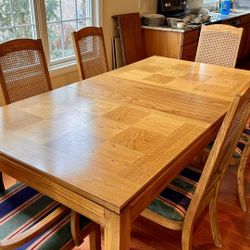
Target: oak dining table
106,146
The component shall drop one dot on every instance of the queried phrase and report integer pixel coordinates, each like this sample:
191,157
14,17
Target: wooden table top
108,137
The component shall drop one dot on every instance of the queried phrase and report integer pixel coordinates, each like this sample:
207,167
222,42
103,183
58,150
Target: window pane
66,16
68,28
55,40
53,10
18,18
21,12
68,10
5,14
22,32
6,34
81,23
84,10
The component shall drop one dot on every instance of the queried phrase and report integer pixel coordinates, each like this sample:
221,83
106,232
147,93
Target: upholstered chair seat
172,203
22,207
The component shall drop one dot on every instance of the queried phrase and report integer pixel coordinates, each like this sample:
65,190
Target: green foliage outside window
17,20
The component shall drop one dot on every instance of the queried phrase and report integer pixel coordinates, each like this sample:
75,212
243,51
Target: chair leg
186,237
1,183
95,238
214,223
241,182
75,228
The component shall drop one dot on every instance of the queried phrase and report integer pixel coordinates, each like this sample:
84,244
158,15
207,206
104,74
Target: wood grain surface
107,145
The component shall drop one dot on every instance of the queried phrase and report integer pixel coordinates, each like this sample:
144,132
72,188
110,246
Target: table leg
116,231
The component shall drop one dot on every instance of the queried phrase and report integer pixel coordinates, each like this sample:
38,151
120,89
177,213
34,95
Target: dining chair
181,203
27,217
23,69
31,220
219,44
90,51
239,159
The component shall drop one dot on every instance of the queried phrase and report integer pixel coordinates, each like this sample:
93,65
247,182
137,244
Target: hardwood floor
234,224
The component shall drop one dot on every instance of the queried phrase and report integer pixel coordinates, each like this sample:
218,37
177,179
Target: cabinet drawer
191,36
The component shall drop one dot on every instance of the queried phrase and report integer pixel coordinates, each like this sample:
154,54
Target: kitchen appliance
171,7
194,6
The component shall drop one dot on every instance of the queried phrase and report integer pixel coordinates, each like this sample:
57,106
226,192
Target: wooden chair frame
224,30
93,229
21,45
242,164
83,33
2,188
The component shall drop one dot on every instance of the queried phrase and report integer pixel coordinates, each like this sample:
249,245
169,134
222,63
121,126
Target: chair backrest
130,32
219,44
23,69
90,51
220,155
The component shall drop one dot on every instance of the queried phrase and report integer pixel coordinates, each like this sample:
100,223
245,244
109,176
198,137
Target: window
51,20
17,19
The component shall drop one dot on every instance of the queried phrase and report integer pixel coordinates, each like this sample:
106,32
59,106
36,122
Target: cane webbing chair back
90,51
219,44
23,69
204,190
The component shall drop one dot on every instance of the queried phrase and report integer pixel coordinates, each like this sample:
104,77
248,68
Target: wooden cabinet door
247,48
190,43
189,51
162,43
243,44
245,40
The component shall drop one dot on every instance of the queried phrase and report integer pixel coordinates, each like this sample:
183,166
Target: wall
244,3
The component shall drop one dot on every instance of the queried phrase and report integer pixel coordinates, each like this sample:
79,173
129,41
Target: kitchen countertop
215,18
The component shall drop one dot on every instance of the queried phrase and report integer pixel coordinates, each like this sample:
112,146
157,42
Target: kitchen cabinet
243,22
162,42
190,43
181,45
245,41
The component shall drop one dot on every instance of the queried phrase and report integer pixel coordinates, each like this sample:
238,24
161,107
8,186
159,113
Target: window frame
41,30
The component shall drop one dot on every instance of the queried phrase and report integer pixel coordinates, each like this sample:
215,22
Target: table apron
55,191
